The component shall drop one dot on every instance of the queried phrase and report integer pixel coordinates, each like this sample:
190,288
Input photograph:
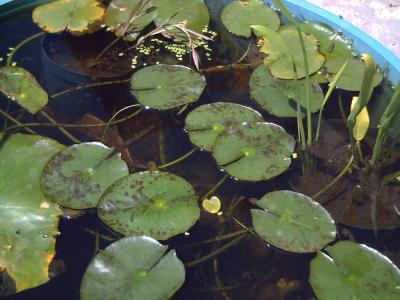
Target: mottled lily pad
119,12
354,271
157,204
28,221
293,222
134,268
352,76
280,96
21,86
277,59
167,86
77,176
207,121
77,17
254,151
238,16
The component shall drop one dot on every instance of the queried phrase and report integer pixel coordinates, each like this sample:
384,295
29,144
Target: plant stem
217,239
178,160
216,186
333,182
64,131
16,48
161,144
6,115
391,177
218,280
341,108
359,150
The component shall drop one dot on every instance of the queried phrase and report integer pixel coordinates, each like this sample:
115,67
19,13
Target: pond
154,149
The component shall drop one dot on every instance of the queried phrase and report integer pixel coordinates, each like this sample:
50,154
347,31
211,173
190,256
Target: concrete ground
379,18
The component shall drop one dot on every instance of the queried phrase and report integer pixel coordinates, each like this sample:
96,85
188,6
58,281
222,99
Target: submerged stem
217,239
16,48
15,121
64,131
178,160
216,186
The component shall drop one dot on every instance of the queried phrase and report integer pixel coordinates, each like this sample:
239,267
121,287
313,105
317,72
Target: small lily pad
293,222
28,221
77,176
238,16
280,96
212,205
157,204
207,121
118,14
254,151
167,86
78,17
354,271
277,59
22,87
134,268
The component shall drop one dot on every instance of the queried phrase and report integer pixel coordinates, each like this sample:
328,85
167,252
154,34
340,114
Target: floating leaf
134,268
28,222
22,87
354,271
293,222
362,122
77,176
207,121
280,96
238,16
157,204
212,205
119,12
167,86
78,17
277,59
254,151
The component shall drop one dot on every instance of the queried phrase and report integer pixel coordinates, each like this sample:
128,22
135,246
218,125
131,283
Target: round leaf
293,222
28,222
22,87
280,96
354,271
77,176
78,17
166,86
207,121
254,151
134,268
157,204
238,16
212,205
277,56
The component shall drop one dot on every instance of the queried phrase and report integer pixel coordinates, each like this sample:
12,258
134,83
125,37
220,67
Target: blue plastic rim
362,42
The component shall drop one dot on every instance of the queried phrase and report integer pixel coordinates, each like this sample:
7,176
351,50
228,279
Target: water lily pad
280,96
352,76
157,204
77,17
212,205
254,151
354,271
119,12
207,121
28,221
293,222
277,59
238,16
77,176
22,87
134,268
167,86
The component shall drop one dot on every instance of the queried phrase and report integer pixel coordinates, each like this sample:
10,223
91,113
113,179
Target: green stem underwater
178,160
16,48
216,186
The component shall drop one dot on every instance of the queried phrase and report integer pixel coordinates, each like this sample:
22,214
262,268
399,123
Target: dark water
249,270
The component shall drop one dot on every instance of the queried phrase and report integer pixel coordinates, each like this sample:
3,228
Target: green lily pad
77,176
293,222
167,86
238,16
22,87
157,204
193,12
277,59
119,12
207,121
352,76
354,271
77,17
134,268
28,221
280,96
254,151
